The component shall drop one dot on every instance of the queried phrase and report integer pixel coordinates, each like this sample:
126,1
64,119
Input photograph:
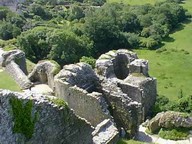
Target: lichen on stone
24,122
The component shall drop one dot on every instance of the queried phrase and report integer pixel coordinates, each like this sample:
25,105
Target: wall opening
120,64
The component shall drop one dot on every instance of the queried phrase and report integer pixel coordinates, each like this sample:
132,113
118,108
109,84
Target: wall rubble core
107,102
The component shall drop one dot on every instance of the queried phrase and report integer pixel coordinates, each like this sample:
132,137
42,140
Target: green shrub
89,60
174,134
184,104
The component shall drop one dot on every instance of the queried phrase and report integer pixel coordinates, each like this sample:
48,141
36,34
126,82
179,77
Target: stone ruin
15,64
104,104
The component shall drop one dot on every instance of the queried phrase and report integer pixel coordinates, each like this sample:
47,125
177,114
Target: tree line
48,30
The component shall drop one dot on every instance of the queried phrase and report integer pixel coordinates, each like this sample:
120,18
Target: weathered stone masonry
15,64
114,99
54,124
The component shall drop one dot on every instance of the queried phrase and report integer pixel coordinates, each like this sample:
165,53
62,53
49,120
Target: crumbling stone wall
126,112
44,73
15,64
120,95
54,123
69,84
114,64
127,86
105,133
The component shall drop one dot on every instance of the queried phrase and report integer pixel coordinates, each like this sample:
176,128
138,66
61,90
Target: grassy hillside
171,64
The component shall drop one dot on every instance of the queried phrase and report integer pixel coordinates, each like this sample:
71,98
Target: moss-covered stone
57,67
24,122
57,101
138,75
61,103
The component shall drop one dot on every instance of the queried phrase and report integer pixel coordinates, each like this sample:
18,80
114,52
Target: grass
172,63
7,82
173,66
30,65
174,134
135,2
123,141
172,70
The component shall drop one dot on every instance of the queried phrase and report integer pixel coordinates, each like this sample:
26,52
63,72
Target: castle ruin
101,104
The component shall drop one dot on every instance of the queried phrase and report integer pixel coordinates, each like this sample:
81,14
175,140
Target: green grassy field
7,82
173,66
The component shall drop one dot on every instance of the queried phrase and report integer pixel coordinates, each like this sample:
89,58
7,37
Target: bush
149,43
89,60
184,104
174,134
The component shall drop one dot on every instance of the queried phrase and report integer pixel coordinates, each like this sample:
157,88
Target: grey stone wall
105,133
127,87
44,73
127,113
17,56
141,89
54,125
114,64
18,75
90,106
78,85
15,64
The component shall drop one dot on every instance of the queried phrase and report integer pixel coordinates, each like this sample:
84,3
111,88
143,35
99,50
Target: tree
60,45
102,27
34,44
75,12
130,22
8,30
66,47
3,12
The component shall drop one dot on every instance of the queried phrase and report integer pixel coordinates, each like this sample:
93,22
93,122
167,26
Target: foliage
122,26
22,113
60,45
123,141
33,43
10,24
95,2
89,60
174,134
8,44
8,31
59,102
75,12
66,47
184,104
101,27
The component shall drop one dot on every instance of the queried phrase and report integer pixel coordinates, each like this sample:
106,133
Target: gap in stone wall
121,69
